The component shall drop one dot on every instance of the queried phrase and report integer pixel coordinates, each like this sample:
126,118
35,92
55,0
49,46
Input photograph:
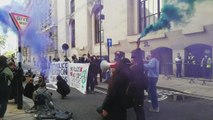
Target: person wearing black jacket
66,59
29,89
63,87
140,82
114,105
13,93
91,75
6,76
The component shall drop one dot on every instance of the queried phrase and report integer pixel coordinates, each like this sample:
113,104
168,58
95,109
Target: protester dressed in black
114,105
5,83
13,93
140,82
29,89
66,59
91,75
63,87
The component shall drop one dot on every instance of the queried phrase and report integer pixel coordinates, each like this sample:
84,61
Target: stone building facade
91,21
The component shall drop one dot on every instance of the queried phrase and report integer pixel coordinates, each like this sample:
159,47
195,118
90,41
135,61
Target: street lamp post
100,41
100,36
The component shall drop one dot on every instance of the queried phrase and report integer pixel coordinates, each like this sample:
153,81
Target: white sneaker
154,110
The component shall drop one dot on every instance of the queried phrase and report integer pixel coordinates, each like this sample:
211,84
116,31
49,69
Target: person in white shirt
178,61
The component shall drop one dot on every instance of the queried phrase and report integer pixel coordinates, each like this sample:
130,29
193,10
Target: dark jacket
114,102
140,83
63,87
13,93
28,90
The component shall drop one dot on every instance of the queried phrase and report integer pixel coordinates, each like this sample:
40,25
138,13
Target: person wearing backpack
42,97
139,83
6,75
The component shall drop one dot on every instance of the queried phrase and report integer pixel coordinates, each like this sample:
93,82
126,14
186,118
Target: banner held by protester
75,74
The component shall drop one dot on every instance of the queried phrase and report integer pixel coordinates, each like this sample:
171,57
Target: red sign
21,21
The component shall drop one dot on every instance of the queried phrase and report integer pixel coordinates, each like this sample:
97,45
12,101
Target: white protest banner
58,68
78,76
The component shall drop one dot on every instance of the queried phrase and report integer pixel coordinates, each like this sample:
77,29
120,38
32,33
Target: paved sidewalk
186,86
197,87
13,113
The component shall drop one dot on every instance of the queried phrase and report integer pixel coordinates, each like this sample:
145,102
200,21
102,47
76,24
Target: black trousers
116,113
4,96
139,111
178,71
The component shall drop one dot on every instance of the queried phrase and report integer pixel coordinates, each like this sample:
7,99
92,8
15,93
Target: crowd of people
126,88
129,80
126,74
8,86
94,68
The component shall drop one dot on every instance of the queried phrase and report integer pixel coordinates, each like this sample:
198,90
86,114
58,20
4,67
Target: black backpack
135,87
40,98
3,80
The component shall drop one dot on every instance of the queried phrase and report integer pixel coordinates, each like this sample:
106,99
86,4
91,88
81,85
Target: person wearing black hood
114,105
29,89
66,59
140,83
63,87
13,92
5,72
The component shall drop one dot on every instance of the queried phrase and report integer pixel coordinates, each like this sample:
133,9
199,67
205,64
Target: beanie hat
119,55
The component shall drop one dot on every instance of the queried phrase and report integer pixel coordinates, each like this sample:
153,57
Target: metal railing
188,71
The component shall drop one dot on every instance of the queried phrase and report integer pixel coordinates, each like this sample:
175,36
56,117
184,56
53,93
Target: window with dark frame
97,28
149,13
72,6
72,24
73,34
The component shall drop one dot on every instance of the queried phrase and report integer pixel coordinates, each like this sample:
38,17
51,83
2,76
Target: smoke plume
176,11
37,11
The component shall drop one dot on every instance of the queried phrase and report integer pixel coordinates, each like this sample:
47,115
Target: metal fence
190,71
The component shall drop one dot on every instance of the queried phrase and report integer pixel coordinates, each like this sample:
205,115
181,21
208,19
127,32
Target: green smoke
169,13
191,6
176,11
